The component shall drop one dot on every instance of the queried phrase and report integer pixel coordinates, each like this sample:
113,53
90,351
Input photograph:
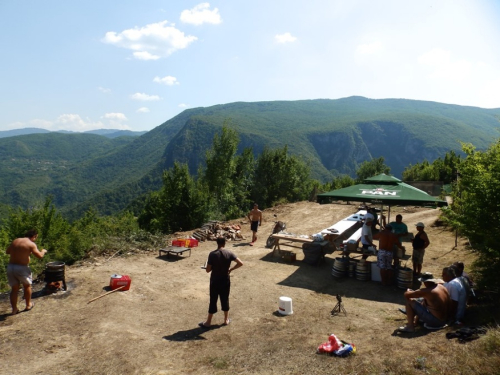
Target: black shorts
254,226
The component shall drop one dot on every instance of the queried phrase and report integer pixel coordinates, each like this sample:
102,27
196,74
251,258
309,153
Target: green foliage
475,211
181,204
444,170
280,177
371,168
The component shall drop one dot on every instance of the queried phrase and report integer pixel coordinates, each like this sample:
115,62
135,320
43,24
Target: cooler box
120,280
185,242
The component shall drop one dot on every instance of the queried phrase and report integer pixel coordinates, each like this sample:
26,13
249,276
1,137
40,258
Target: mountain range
333,136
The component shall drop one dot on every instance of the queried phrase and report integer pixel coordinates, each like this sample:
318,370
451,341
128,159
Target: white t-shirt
366,231
457,293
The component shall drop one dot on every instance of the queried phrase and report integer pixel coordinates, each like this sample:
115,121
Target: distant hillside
109,133
335,136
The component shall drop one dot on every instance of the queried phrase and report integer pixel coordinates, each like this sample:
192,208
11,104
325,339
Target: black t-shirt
220,260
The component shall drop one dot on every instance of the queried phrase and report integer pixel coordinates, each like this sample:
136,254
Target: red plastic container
185,242
120,280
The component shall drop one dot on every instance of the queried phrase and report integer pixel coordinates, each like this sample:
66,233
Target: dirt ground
153,327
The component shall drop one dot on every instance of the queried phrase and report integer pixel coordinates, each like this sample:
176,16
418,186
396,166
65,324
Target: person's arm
238,264
260,218
9,249
209,268
426,241
410,293
39,254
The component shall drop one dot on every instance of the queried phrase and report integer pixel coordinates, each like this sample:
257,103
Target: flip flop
406,329
17,312
228,322
202,325
30,308
403,311
251,243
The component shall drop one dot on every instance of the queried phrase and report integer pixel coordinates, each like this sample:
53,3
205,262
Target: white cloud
285,38
144,97
75,123
143,110
144,55
115,116
167,80
369,48
183,105
151,41
104,90
201,14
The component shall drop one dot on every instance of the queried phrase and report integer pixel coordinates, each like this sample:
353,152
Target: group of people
390,240
440,302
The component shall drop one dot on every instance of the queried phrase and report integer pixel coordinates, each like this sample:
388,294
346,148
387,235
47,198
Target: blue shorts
18,274
425,315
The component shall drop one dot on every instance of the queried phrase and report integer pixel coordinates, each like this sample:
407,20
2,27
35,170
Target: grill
54,272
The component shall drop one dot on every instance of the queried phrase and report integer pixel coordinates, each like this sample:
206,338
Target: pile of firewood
215,229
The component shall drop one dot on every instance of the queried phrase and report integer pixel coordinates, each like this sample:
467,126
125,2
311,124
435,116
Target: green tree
371,168
220,171
181,204
475,210
280,177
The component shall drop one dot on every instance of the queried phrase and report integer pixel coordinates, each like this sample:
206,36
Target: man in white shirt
367,236
458,294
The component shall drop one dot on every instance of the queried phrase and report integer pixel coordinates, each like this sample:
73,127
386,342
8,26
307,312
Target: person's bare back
20,250
437,300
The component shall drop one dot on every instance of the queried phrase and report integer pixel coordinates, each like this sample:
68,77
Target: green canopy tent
384,190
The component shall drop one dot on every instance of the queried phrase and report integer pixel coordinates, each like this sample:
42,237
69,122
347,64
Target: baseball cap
420,224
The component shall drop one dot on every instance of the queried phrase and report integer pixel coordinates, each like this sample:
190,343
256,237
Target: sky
132,65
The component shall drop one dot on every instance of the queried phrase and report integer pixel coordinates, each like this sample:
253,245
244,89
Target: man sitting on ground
386,243
458,295
433,310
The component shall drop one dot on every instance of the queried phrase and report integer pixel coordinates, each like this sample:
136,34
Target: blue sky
135,64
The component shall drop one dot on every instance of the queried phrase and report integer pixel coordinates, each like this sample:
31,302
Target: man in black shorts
255,217
219,262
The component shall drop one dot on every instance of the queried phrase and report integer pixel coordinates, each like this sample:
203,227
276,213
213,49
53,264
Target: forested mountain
110,133
335,136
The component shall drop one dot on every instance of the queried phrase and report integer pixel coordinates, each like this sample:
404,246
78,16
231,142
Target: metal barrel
340,267
405,278
363,271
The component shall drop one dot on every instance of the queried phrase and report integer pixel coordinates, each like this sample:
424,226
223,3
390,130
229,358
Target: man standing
387,242
420,243
218,263
367,236
458,295
18,271
433,310
255,217
399,229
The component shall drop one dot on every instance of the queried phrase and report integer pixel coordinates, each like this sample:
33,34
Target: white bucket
376,272
285,306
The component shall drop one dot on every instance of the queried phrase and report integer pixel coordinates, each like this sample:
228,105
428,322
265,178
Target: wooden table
174,250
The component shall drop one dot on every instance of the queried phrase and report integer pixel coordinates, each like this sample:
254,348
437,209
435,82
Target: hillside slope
334,136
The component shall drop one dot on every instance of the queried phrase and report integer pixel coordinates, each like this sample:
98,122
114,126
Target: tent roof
383,189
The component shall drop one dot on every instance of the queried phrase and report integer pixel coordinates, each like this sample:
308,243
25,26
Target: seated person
432,310
458,295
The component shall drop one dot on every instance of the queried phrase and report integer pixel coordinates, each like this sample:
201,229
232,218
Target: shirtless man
387,241
18,271
255,217
433,310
